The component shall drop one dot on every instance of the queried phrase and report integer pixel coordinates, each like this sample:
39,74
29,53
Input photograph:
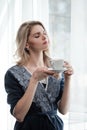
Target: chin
46,48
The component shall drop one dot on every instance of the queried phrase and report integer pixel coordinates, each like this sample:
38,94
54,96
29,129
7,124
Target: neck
36,60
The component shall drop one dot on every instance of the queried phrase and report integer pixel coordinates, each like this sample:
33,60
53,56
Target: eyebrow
37,33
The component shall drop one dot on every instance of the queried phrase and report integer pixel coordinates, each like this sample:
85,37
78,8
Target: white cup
57,65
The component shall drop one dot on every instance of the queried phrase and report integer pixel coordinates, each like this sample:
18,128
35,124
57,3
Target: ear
27,45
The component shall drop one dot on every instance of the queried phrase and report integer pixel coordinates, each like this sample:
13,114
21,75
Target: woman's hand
69,70
41,73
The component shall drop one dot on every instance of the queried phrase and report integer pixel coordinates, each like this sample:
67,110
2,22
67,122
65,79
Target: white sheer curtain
9,19
76,119
78,110
12,14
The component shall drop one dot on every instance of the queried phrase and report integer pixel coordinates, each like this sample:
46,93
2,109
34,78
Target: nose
44,36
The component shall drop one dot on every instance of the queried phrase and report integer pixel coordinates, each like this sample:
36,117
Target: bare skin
38,42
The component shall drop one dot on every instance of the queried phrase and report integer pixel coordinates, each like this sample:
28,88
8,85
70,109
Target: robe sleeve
61,88
13,89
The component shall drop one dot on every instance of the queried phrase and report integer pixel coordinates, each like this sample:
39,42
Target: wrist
34,79
67,77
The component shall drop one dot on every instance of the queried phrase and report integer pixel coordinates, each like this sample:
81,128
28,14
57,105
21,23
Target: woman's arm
64,103
23,105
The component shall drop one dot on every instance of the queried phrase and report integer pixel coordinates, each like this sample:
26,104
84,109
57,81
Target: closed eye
38,34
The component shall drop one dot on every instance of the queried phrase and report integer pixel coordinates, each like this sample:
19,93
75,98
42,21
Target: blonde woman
33,91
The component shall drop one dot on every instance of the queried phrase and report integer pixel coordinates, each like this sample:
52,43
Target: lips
45,42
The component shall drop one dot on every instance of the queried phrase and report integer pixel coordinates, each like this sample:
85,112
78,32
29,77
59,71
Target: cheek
33,43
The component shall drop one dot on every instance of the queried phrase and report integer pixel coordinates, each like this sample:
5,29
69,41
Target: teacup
57,65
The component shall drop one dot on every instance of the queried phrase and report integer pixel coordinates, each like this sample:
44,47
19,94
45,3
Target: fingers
69,68
50,72
67,65
69,72
56,75
42,73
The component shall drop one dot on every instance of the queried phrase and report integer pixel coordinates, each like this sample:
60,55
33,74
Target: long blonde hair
21,40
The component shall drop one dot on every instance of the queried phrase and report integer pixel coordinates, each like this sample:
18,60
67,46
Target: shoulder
10,74
15,70
9,71
18,74
14,73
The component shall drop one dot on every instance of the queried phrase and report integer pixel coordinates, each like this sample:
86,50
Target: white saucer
60,70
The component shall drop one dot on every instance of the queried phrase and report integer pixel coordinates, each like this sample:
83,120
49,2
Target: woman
34,92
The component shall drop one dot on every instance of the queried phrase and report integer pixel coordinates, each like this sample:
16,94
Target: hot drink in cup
57,65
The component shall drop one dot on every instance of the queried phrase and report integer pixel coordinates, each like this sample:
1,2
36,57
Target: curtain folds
72,43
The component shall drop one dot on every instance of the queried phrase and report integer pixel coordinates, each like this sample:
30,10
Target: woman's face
38,39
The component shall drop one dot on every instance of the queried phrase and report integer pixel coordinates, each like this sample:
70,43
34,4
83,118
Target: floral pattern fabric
45,99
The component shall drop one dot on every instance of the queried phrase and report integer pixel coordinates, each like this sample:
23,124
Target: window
66,22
